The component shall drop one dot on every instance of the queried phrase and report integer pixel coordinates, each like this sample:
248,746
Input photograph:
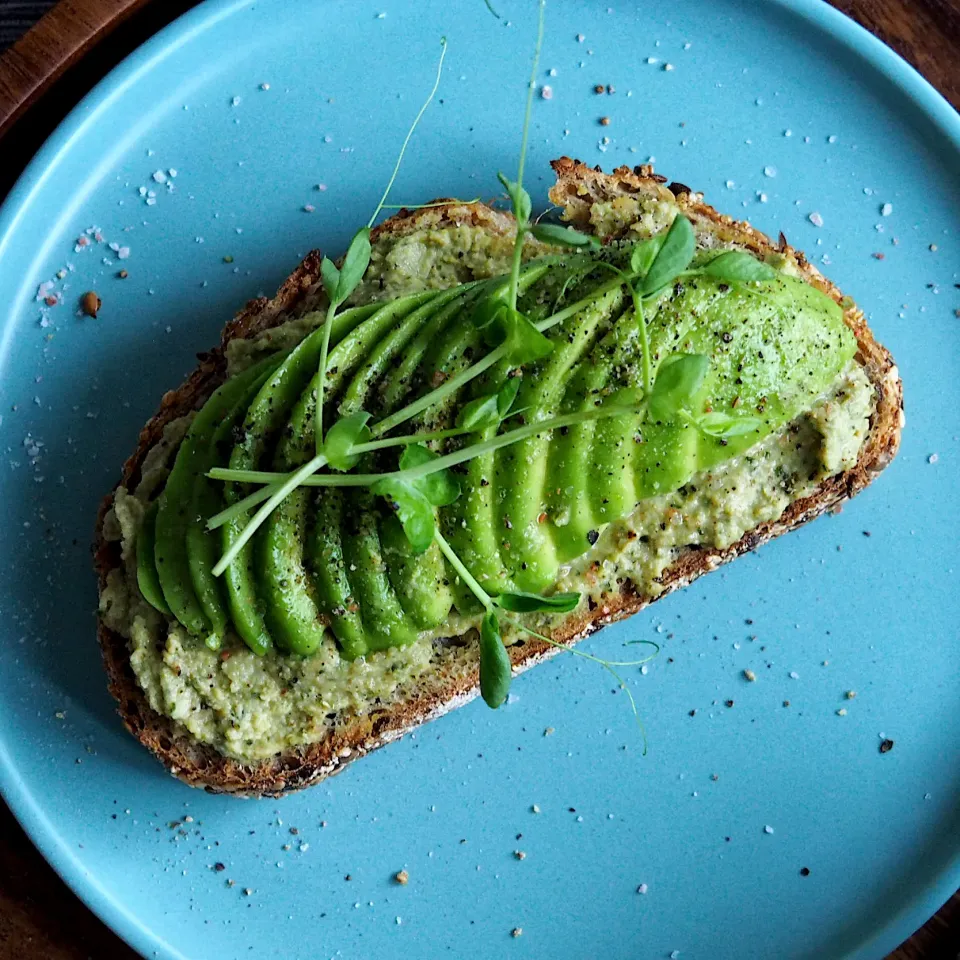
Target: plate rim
42,832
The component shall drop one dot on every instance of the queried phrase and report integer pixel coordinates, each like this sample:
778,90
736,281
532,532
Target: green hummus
251,707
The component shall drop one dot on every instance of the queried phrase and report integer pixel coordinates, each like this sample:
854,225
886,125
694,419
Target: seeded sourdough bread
578,187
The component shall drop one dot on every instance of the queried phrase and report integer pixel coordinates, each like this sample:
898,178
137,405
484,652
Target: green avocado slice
421,583
773,352
384,620
569,502
203,545
148,580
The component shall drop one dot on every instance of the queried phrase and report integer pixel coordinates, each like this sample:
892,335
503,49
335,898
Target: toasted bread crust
200,765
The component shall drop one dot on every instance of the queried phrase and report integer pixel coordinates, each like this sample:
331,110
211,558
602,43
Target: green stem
515,265
644,341
435,396
409,438
522,227
580,304
406,140
464,573
292,482
627,280
321,379
240,507
530,89
606,664
312,479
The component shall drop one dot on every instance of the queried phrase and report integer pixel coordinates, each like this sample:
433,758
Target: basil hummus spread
582,508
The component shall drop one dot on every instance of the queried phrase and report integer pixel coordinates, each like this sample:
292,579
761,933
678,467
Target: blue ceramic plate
257,131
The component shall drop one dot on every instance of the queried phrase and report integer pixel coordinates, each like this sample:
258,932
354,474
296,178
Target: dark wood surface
39,918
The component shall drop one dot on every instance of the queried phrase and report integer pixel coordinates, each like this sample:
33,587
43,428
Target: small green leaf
489,409
673,257
331,278
414,511
524,342
355,264
506,396
562,236
644,253
736,266
440,488
519,199
495,670
500,324
520,602
414,500
680,376
479,414
342,437
721,425
485,314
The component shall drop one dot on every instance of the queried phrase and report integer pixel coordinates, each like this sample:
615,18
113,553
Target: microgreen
674,256
519,197
736,266
340,283
489,409
413,127
722,425
520,602
342,437
644,253
309,477
522,341
414,498
558,235
680,376
607,665
495,668
520,201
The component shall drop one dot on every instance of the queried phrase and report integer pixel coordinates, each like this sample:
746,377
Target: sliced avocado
326,564
421,583
529,550
568,497
290,597
396,388
366,569
384,621
229,404
147,578
773,351
394,346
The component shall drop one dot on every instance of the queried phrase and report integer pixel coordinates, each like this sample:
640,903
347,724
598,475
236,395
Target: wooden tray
42,77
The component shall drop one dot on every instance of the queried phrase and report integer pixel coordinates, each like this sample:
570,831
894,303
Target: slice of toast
577,187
